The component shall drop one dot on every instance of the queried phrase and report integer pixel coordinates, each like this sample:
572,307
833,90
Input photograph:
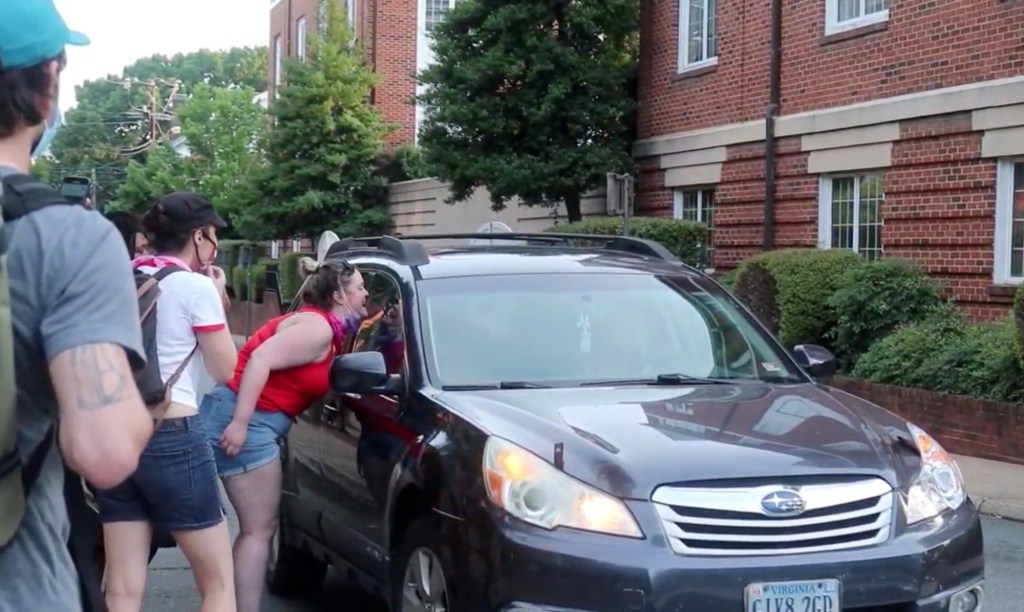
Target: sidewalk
996,488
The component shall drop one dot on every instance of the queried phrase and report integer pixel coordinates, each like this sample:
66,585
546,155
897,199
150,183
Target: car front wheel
422,572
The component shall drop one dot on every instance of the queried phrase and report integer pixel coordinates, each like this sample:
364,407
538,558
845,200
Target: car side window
382,330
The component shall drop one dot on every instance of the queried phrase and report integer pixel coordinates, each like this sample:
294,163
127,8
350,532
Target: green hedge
240,277
686,239
874,299
290,278
946,353
804,281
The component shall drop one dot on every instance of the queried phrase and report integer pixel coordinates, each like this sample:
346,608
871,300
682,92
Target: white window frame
682,44
677,212
275,249
300,39
274,3
350,13
825,208
278,49
424,58
1001,267
834,26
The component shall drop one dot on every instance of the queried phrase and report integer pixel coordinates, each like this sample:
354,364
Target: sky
123,31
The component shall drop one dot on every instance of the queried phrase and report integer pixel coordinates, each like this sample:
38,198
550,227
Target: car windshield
523,331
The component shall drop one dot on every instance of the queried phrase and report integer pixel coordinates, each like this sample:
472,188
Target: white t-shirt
189,304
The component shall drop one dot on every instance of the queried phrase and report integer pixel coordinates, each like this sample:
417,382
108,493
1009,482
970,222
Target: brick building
900,131
395,34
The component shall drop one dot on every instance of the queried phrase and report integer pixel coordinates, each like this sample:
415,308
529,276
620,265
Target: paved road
171,588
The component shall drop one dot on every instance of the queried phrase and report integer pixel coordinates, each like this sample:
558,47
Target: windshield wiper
660,379
505,384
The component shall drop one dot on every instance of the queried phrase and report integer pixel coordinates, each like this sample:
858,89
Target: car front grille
734,521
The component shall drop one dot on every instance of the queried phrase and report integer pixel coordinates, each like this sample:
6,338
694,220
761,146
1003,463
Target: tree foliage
322,152
531,98
106,129
223,130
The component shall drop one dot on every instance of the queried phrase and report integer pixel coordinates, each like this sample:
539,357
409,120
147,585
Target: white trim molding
835,25
708,40
274,3
1002,269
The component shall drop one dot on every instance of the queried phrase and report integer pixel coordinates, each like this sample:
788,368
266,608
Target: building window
274,3
697,205
277,62
850,214
350,12
843,15
300,39
1009,255
275,249
697,41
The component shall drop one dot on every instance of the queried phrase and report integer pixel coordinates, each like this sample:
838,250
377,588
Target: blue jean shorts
262,441
175,486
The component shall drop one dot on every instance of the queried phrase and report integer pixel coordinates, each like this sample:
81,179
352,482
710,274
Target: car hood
630,440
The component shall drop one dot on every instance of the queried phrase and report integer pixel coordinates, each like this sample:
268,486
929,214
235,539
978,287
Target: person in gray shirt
75,324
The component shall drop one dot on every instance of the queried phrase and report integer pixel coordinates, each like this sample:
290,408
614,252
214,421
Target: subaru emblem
782,503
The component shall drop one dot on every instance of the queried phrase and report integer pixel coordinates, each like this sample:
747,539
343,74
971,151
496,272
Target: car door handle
352,395
330,408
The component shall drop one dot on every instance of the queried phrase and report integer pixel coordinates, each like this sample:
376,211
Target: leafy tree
322,152
531,98
223,129
106,128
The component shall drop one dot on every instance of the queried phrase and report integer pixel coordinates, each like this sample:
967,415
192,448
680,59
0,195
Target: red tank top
292,390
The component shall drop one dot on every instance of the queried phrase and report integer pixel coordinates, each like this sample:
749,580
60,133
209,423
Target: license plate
796,596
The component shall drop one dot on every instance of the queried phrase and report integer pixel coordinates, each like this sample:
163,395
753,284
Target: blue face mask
51,132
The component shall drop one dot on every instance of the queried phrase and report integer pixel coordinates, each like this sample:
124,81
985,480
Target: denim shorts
262,441
175,486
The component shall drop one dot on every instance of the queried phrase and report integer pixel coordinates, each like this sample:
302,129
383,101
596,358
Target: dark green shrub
240,276
760,294
405,163
728,280
945,353
686,239
805,279
1018,317
874,299
289,276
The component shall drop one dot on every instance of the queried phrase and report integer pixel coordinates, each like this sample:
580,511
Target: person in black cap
176,486
74,327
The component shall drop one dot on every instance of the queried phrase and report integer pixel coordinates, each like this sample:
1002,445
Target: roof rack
407,250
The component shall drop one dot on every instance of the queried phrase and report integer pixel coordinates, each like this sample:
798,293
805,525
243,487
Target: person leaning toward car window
282,369
175,487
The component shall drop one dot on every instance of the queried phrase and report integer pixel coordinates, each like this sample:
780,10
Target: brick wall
386,29
963,425
924,45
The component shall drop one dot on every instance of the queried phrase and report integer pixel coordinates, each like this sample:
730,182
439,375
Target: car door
365,438
303,492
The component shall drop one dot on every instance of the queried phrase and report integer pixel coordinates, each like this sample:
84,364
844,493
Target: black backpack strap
83,543
163,273
22,194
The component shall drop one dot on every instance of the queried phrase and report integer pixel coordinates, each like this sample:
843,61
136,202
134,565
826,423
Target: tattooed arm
90,331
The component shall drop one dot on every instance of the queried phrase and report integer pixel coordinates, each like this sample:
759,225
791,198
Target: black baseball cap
188,211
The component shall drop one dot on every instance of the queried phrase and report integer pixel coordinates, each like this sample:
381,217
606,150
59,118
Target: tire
422,538
292,571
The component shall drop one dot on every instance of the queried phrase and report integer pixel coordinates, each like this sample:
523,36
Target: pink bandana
158,262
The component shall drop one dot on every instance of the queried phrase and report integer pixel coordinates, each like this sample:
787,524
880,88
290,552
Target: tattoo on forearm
100,381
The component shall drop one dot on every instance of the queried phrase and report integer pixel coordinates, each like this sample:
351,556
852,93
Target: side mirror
363,373
816,360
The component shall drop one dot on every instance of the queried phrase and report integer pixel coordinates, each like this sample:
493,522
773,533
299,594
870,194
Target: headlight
939,486
532,490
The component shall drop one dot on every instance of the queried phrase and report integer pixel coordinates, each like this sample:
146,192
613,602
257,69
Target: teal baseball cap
31,32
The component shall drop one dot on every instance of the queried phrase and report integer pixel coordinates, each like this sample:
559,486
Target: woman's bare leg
127,552
209,554
255,496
